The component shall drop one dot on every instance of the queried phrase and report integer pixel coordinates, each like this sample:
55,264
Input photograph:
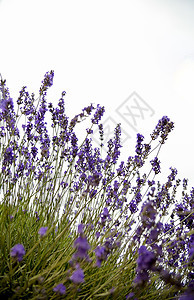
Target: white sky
103,51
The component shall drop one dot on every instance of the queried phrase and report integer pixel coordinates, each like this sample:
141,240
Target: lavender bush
76,226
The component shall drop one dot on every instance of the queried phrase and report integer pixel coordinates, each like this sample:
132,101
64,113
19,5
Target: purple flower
98,114
148,214
8,156
95,179
42,231
47,81
121,170
189,293
163,128
78,275
154,234
104,216
145,262
155,165
102,252
74,140
146,259
60,289
101,255
139,146
100,127
80,228
187,296
117,145
6,103
82,246
141,278
18,252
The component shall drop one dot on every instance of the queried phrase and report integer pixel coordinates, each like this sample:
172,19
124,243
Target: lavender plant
75,225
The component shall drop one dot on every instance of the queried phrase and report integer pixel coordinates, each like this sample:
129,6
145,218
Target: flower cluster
155,165
47,82
163,128
98,114
133,231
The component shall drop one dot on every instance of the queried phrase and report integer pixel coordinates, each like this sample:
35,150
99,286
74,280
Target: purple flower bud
101,254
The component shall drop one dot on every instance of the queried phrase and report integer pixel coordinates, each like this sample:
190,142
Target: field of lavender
76,226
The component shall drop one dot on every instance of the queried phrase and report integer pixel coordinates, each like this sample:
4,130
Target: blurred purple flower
146,259
42,231
187,296
189,293
78,275
60,289
145,262
81,245
18,252
101,255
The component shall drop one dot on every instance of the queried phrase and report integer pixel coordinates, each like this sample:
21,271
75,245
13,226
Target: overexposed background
102,52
